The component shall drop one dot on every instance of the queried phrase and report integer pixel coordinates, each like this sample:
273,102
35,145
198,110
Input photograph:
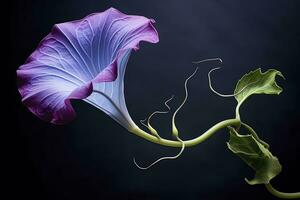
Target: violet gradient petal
79,56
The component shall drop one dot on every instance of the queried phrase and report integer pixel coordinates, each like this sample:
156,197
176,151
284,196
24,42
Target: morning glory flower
83,59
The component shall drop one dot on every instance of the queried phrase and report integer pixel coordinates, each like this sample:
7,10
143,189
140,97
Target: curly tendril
208,60
162,158
174,129
224,95
148,125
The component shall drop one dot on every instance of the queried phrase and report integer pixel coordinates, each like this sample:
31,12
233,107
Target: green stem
237,112
165,142
282,195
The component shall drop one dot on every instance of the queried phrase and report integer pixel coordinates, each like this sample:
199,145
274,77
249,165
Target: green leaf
256,82
255,155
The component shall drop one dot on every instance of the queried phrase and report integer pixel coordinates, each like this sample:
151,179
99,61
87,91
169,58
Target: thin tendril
142,121
166,102
148,125
175,131
219,94
209,59
161,112
163,158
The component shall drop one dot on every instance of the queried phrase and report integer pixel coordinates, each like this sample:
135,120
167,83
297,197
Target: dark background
91,158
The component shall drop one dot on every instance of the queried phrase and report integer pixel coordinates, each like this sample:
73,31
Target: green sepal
256,155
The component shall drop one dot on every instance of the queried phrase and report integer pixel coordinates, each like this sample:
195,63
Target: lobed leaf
255,155
256,82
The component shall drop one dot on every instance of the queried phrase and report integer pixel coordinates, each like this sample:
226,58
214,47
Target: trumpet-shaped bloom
84,59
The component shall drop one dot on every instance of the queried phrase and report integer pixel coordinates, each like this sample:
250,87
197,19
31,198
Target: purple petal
81,55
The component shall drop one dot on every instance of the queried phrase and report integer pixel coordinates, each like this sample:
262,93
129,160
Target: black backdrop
91,158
